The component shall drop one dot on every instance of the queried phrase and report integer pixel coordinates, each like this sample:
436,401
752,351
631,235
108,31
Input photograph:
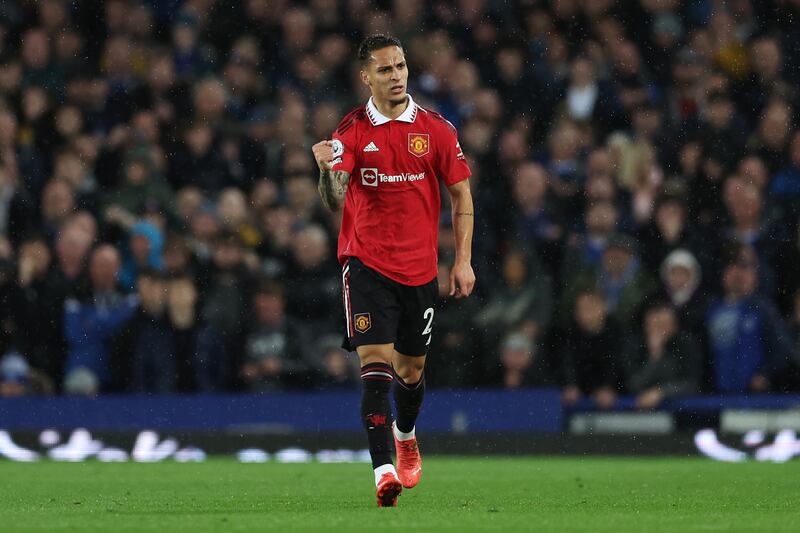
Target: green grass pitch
456,494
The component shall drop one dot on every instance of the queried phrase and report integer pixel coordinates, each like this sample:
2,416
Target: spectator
566,178
589,351
163,93
681,278
275,344
224,308
663,362
451,340
142,190
637,160
585,250
234,216
72,250
669,231
724,128
70,167
522,364
688,69
192,58
58,203
624,284
36,309
337,370
14,376
514,80
535,221
204,232
276,224
195,341
771,136
749,225
144,251
178,258
313,280
601,185
144,350
302,198
588,99
522,302
198,161
668,31
749,342
766,79
189,201
89,325
44,294
752,171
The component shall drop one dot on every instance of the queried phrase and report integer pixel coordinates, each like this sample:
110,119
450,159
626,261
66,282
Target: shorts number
428,314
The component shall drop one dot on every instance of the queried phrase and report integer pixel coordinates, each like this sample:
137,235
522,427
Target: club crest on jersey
418,144
362,322
369,177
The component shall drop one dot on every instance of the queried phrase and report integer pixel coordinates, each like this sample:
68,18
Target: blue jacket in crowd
746,338
89,326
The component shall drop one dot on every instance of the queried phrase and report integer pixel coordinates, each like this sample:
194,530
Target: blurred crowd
636,175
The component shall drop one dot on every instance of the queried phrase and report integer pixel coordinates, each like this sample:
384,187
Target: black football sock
408,401
376,410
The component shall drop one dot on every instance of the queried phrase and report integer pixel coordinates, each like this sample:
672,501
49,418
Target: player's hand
323,153
462,280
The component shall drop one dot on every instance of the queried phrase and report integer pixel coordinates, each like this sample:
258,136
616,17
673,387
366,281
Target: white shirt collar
377,118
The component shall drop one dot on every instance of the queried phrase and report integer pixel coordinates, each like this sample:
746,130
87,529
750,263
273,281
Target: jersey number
428,314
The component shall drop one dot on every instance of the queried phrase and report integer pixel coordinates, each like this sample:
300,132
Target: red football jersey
391,209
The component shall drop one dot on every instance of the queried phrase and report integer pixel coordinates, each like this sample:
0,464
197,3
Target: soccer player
382,166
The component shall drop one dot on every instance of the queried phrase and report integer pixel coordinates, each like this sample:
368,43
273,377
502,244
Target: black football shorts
379,310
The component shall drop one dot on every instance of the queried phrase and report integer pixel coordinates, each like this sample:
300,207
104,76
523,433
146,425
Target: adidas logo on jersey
371,147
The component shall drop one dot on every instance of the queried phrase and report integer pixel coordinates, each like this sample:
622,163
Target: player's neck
391,109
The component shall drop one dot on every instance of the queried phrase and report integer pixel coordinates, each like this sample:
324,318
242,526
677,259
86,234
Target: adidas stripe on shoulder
349,119
440,117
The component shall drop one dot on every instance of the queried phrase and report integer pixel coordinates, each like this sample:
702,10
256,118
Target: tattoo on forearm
332,187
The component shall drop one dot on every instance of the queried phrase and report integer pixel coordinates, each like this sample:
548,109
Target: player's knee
410,370
374,357
375,353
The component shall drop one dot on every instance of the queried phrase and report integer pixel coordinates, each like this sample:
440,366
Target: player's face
386,74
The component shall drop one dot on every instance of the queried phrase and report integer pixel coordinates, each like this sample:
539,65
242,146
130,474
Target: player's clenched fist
323,153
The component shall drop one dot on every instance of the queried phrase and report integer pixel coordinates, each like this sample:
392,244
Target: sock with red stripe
408,401
376,410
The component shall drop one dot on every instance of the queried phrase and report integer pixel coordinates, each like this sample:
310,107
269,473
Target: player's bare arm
332,188
332,183
462,278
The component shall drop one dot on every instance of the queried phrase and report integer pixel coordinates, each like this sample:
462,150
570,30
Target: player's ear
364,77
